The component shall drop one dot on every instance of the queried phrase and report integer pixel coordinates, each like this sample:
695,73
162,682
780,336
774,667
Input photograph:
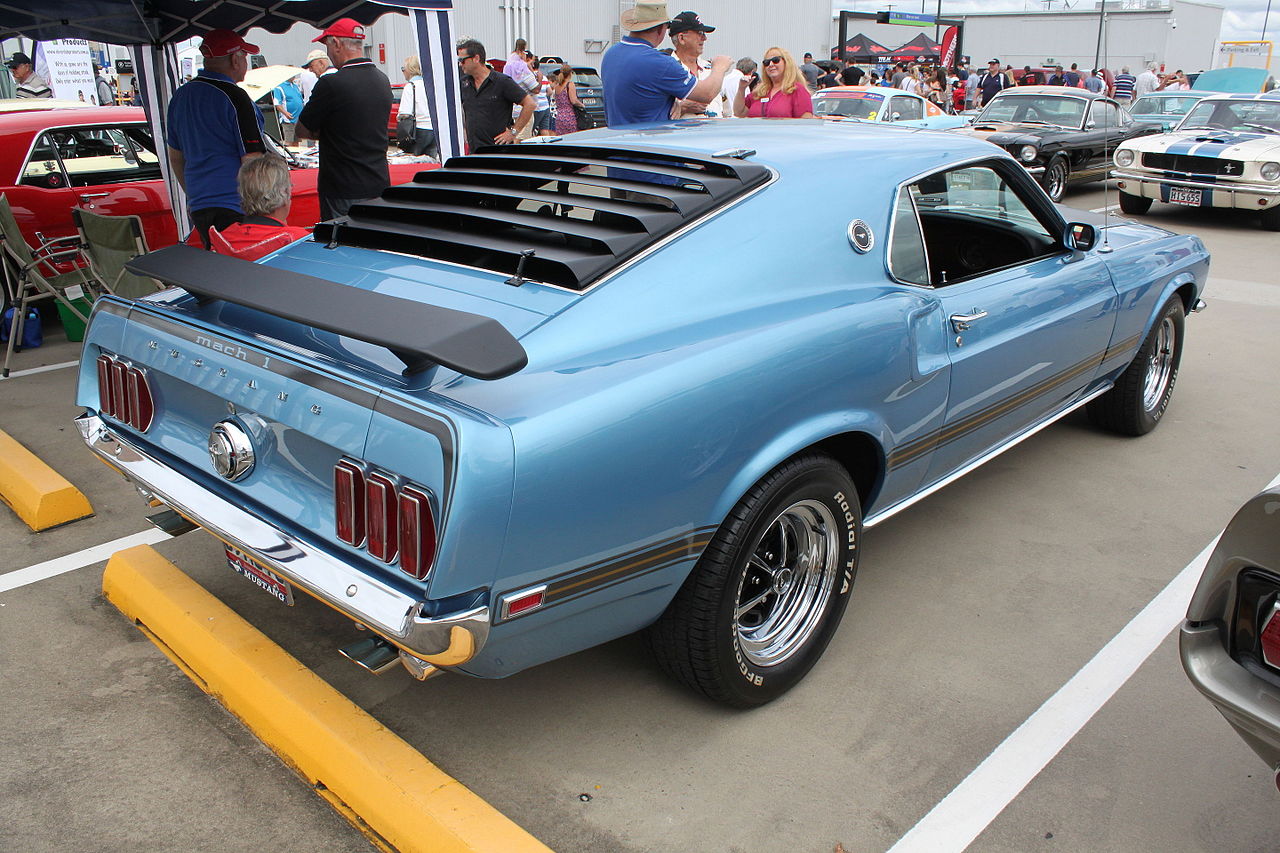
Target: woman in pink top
781,92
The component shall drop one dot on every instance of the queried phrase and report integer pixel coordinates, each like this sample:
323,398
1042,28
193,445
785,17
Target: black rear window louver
582,210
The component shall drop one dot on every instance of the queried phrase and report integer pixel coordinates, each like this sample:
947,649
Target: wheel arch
855,440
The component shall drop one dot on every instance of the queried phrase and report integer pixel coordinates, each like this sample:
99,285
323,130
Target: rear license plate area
259,575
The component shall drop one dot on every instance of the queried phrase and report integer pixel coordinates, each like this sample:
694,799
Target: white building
581,30
1179,33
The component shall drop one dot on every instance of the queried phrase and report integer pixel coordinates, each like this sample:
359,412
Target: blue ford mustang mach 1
653,379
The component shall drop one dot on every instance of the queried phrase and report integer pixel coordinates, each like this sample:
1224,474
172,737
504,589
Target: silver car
1230,642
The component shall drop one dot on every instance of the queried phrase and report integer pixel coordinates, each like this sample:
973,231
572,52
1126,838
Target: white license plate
1184,195
259,575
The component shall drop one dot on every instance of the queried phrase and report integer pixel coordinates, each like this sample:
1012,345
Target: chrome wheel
1055,180
787,584
1160,365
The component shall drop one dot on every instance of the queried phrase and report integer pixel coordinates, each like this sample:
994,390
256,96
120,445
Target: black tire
1135,204
1054,179
1140,396
709,639
1271,219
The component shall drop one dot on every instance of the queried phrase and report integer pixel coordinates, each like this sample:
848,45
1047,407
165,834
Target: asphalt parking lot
971,611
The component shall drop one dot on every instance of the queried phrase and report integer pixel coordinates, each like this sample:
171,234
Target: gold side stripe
685,548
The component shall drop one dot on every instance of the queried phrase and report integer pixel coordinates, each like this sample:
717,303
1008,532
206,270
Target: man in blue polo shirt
213,126
641,84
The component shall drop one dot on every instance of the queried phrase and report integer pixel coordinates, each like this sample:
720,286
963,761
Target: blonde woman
781,92
413,102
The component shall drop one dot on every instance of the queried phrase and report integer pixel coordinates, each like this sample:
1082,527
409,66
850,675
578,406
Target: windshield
865,105
586,77
1043,109
1163,106
1262,116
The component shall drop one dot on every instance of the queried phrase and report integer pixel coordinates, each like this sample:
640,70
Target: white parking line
963,814
16,373
78,560
1105,209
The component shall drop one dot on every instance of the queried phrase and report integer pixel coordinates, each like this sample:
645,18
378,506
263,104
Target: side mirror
896,117
1079,236
1090,125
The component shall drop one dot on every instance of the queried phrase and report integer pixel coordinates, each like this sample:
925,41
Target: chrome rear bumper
447,640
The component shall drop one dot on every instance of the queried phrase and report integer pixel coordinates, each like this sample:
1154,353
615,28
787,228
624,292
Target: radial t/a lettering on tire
768,593
1137,402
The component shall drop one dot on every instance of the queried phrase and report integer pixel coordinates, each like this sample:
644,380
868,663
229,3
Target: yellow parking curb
393,794
40,496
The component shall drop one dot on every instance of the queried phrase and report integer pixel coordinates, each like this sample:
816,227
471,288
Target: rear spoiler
419,335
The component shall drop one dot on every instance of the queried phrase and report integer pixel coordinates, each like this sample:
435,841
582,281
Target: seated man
265,194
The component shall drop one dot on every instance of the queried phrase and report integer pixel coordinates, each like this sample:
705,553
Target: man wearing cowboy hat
213,127
348,114
641,84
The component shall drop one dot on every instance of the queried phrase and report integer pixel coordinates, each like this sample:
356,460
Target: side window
103,155
1105,115
974,222
42,168
907,108
1125,118
907,259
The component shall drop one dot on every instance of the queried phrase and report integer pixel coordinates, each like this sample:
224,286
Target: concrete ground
971,609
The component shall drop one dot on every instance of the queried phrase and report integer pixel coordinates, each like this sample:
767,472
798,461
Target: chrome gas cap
231,450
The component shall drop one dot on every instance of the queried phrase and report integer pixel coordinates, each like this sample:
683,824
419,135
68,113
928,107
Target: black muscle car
1061,135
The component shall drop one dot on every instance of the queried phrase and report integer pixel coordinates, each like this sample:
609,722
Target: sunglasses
772,60
462,59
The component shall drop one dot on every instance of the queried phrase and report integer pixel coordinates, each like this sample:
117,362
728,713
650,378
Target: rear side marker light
124,393
524,601
348,491
1270,638
381,527
417,532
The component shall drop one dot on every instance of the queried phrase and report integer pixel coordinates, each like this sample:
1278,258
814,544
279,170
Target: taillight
381,525
142,408
390,522
417,532
1270,638
124,393
348,500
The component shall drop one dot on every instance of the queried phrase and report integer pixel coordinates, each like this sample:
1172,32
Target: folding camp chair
29,274
108,243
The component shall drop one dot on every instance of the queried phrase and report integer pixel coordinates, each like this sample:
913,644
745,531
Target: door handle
87,196
960,322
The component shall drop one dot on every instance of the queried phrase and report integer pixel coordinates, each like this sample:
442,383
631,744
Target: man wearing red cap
214,126
348,113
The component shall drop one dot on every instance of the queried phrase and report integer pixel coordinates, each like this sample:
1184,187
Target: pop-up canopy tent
920,47
861,49
152,28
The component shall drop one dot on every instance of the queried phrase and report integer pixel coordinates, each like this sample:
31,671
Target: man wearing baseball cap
213,127
348,113
641,84
688,40
316,66
29,83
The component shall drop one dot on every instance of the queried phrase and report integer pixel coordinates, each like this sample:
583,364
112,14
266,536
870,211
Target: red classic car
103,159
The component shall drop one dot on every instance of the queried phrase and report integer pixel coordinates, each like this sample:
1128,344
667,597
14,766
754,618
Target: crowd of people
656,72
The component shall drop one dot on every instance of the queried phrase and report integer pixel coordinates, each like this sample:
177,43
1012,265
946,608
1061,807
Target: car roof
1061,91
875,90
37,120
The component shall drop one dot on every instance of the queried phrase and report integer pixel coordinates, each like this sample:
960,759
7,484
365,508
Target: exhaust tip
372,653
171,523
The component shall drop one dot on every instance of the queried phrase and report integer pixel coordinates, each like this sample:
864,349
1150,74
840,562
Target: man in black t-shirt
487,99
348,113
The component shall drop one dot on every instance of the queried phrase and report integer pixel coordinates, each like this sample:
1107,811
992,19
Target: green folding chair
109,242
29,274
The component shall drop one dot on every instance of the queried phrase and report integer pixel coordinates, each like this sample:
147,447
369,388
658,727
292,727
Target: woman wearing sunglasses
781,92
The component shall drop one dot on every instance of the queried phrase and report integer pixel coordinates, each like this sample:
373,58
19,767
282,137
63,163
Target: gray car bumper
1249,704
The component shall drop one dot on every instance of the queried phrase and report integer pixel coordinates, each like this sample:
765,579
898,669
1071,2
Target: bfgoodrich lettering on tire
1140,396
766,596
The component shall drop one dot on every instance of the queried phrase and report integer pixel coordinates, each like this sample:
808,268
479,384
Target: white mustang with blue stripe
1225,153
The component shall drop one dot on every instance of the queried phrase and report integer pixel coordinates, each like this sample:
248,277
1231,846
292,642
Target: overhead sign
905,19
67,66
